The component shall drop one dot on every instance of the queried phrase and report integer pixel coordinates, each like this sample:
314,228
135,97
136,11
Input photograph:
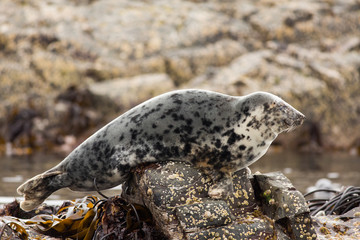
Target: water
302,169
16,170
305,169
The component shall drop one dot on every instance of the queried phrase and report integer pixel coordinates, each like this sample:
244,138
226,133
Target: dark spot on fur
206,122
159,137
196,114
140,153
217,128
121,137
227,133
233,137
250,157
136,118
178,101
218,143
158,146
122,168
125,166
174,95
94,166
266,106
225,154
186,128
254,123
171,152
187,149
245,110
134,134
175,117
242,147
237,115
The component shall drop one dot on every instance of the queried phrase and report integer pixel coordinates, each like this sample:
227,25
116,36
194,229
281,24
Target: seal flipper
38,188
222,188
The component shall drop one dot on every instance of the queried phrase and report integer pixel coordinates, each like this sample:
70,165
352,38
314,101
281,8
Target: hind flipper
38,188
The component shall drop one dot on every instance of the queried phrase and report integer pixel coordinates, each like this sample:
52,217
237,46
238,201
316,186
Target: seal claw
222,188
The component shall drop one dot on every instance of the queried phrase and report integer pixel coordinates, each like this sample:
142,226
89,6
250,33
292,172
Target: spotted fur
208,129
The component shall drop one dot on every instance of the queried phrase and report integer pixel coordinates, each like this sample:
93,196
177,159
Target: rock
162,189
250,230
242,200
184,64
351,44
276,191
283,203
228,79
306,52
127,92
286,60
338,227
281,21
177,196
330,76
203,215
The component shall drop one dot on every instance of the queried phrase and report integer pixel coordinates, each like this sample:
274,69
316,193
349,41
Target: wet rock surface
185,211
308,53
283,203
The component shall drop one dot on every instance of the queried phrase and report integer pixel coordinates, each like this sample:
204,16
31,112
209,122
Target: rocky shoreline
170,200
107,56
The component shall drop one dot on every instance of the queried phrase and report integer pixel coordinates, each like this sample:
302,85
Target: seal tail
38,188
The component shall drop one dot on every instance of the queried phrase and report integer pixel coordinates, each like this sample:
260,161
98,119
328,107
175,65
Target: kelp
338,205
121,220
76,219
86,218
12,229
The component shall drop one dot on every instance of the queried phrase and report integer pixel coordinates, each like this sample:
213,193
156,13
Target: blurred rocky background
68,67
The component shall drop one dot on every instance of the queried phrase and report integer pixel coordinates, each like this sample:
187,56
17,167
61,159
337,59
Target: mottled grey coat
208,129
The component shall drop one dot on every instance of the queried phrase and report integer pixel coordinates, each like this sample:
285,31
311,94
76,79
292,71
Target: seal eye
282,108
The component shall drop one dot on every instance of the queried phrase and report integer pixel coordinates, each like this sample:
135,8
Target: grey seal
208,129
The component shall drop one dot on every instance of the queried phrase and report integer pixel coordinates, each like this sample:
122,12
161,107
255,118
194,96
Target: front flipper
38,188
222,187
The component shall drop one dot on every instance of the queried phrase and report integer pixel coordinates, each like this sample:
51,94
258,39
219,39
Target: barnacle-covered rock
176,195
